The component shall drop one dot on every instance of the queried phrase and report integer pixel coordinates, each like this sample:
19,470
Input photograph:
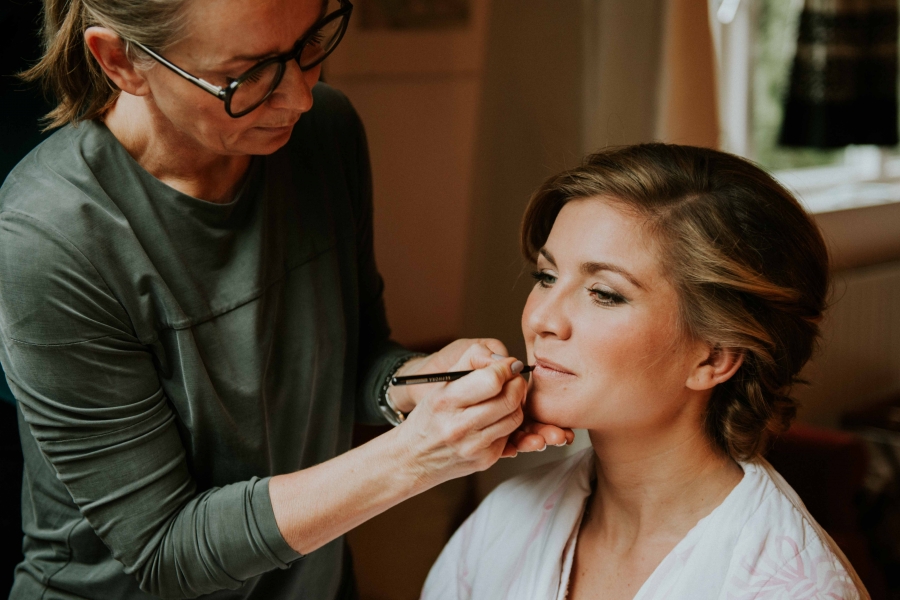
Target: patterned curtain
843,87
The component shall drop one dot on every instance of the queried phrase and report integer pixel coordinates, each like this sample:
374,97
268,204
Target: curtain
843,86
687,107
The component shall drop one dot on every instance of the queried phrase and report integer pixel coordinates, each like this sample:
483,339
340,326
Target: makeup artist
192,319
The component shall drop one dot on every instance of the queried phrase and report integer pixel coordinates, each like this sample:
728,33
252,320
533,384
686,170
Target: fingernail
561,445
497,356
544,448
517,367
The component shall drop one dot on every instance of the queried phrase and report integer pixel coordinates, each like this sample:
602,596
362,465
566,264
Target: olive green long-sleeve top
169,355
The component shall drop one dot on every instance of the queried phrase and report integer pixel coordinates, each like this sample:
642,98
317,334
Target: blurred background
470,104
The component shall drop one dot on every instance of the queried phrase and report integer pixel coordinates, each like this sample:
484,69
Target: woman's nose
546,313
295,90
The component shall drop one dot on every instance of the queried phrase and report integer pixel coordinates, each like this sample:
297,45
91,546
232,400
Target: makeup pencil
440,377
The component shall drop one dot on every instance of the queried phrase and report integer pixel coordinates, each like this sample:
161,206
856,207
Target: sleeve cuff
374,379
279,551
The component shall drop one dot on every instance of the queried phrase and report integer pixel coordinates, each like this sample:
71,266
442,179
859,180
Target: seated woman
678,294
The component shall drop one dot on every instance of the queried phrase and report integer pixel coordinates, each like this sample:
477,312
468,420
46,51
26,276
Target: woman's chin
551,412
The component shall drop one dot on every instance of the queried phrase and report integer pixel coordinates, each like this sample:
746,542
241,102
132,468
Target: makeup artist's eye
252,78
543,279
602,297
316,38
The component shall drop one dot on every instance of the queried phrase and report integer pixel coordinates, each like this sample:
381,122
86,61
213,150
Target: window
755,42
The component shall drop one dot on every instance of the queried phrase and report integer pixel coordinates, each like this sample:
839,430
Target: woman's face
601,326
225,38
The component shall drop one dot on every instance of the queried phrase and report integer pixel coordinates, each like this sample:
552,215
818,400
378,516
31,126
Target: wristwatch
393,415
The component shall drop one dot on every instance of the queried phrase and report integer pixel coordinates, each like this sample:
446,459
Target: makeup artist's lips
549,369
277,130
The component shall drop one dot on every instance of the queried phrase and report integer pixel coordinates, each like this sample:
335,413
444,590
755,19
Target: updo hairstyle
748,263
67,69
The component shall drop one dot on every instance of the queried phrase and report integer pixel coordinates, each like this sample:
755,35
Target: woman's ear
717,366
109,51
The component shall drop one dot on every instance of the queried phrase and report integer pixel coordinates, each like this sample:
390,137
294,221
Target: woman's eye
316,38
543,278
605,297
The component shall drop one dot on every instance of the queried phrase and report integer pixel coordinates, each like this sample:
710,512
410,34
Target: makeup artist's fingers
527,442
553,435
496,346
478,353
504,426
509,450
460,355
534,437
464,425
487,383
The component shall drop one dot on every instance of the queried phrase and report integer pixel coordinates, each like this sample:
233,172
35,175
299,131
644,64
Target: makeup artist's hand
530,437
463,426
480,352
533,436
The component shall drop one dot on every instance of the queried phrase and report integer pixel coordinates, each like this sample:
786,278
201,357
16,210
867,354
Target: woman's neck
171,156
656,485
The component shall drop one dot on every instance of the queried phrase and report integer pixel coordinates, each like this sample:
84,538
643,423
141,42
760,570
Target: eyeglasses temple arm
212,89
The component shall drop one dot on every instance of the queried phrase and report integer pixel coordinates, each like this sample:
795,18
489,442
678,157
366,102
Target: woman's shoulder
782,547
55,181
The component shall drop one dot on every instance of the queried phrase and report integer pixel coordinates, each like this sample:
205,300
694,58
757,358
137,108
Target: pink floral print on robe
760,544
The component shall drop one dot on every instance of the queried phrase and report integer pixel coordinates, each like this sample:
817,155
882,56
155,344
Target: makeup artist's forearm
316,505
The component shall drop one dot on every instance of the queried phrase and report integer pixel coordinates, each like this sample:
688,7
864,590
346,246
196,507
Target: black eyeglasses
254,87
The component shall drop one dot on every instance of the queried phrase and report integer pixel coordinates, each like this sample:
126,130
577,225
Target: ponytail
68,70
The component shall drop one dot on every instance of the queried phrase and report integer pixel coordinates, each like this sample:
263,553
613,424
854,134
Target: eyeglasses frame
226,93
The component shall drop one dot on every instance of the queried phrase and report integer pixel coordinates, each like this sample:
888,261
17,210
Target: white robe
760,543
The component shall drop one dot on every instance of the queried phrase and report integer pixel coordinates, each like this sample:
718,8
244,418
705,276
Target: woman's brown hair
67,69
749,265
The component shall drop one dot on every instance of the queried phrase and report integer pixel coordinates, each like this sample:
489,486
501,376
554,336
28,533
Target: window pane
776,40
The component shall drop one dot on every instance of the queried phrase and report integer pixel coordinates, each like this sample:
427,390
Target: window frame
867,175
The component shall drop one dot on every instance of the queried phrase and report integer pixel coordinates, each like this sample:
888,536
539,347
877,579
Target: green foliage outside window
776,37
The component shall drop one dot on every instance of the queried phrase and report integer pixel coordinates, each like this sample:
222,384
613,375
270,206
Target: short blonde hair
749,265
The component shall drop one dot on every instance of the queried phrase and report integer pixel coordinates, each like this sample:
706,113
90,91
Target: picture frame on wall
414,14
412,38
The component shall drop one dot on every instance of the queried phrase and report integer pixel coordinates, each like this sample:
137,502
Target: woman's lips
547,369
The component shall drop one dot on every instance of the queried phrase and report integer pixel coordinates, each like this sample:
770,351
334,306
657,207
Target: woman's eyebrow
591,268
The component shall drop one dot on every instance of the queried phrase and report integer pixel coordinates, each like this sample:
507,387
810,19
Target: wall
418,95
858,361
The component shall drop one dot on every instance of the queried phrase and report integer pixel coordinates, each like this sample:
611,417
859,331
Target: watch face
390,412
393,416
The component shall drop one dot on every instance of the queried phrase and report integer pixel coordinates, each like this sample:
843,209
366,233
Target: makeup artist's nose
295,90
547,316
